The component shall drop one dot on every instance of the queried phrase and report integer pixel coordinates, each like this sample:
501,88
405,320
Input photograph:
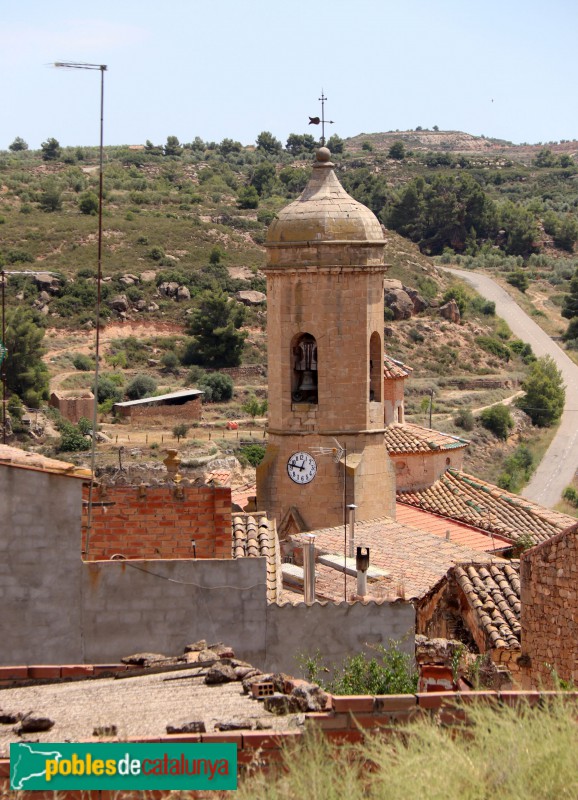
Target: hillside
177,225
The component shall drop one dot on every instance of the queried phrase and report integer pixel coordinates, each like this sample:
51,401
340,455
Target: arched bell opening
375,368
304,375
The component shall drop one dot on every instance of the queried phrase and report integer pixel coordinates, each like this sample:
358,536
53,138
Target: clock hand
294,464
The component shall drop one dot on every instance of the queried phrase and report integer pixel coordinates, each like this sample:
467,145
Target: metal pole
345,523
309,568
352,508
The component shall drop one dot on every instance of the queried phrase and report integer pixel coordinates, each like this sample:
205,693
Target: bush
571,496
72,439
517,469
88,203
82,362
170,361
391,672
498,420
217,387
141,386
494,346
465,419
519,280
252,454
108,390
180,431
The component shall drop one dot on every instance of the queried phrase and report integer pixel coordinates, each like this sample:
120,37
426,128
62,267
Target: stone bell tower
325,361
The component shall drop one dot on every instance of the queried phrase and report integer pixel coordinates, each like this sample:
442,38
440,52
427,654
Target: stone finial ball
323,154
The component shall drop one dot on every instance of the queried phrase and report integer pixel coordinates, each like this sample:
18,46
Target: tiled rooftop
395,369
483,505
414,560
458,532
404,437
15,457
254,536
493,593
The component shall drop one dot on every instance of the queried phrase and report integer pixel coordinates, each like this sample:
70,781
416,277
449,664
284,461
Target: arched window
375,368
304,371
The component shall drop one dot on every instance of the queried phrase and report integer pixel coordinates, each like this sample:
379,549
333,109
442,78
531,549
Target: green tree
88,203
254,407
546,158
498,420
267,143
173,147
18,144
180,431
336,144
215,324
228,146
217,386
367,146
141,386
397,151
521,229
51,150
545,393
518,279
263,178
570,307
566,234
248,197
298,143
51,196
26,373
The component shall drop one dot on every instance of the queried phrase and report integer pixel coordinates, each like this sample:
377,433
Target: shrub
571,496
391,672
82,362
108,390
170,361
545,393
72,439
465,419
517,469
519,280
217,387
251,454
498,420
180,431
493,346
141,386
88,203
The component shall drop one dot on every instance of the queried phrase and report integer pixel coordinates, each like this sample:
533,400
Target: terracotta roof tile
458,532
413,559
15,457
395,369
483,505
493,593
253,536
404,437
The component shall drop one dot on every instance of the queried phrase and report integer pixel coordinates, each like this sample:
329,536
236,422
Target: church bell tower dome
325,225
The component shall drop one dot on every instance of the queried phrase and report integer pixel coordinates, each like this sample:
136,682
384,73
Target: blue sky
233,68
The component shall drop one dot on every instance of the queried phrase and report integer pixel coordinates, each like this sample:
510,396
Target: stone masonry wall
155,522
159,413
549,595
73,408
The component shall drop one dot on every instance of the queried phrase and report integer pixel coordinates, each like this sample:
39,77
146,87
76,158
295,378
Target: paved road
560,462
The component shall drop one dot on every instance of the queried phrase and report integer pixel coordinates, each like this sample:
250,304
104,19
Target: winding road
560,462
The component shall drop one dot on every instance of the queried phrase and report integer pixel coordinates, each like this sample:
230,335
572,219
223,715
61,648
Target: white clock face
301,467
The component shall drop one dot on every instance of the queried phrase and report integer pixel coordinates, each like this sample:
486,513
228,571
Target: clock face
301,467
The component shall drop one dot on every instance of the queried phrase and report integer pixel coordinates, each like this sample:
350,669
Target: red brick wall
159,524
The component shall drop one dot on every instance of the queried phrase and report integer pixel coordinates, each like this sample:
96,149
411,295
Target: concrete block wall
159,522
336,630
549,617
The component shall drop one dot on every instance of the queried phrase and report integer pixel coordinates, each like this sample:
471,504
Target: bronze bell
307,384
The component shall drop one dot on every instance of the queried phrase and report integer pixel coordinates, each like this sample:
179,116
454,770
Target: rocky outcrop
450,311
400,304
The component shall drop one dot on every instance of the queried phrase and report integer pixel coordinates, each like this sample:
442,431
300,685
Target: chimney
362,565
309,567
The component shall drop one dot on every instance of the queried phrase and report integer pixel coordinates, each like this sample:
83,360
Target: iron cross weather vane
322,120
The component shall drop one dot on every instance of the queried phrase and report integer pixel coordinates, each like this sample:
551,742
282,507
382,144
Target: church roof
324,212
462,497
404,437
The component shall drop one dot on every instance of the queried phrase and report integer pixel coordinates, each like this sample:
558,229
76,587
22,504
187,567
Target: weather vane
322,120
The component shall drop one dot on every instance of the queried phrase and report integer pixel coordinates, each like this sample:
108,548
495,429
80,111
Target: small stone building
181,406
73,405
549,575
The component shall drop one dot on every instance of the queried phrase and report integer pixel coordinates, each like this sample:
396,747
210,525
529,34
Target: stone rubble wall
549,595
